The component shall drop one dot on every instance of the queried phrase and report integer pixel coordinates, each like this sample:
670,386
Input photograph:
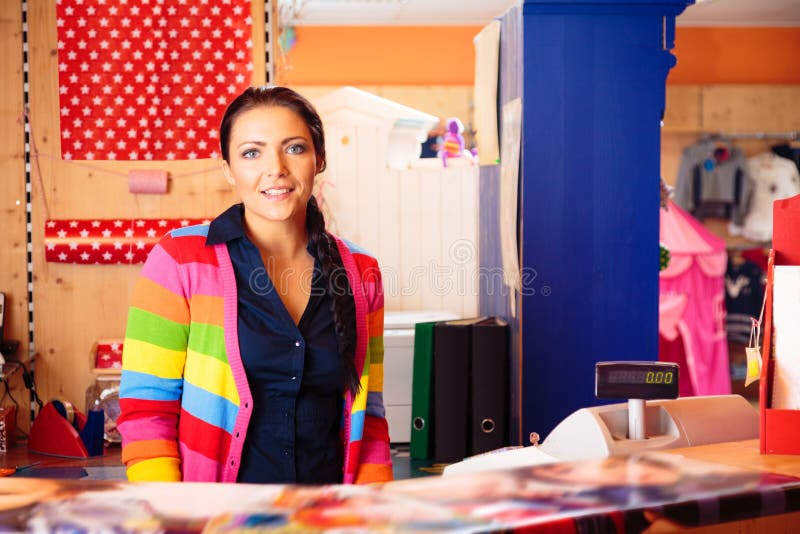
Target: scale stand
637,423
637,382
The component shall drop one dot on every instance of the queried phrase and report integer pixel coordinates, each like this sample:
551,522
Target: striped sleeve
376,463
153,358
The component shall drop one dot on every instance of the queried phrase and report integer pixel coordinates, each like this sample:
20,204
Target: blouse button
296,343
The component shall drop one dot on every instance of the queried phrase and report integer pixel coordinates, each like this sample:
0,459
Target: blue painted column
593,95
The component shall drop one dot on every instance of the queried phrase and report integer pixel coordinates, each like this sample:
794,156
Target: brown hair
323,244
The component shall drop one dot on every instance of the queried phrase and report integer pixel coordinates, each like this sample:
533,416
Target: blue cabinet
593,76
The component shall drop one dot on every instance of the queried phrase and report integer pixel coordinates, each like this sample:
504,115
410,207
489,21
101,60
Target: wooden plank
13,238
682,111
726,109
751,108
672,146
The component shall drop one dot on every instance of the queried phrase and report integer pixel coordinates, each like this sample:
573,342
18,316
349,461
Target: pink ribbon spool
149,182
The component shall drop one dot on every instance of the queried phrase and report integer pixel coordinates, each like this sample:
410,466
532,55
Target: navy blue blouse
295,372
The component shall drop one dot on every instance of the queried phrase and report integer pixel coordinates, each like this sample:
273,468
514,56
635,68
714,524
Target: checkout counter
719,488
600,470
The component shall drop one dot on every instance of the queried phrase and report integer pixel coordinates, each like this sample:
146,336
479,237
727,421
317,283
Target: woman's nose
274,164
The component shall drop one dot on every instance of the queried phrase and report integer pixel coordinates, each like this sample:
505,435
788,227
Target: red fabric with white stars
149,79
98,241
108,354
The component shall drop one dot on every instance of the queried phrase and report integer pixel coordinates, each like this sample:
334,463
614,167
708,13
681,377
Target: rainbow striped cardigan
184,398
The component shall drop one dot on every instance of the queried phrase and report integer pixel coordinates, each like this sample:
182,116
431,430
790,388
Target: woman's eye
250,153
296,149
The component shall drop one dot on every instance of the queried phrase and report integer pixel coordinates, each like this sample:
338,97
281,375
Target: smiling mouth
276,192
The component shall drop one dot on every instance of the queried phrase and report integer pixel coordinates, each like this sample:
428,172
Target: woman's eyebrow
294,138
257,143
262,143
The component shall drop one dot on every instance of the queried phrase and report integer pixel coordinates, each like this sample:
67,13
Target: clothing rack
738,247
784,136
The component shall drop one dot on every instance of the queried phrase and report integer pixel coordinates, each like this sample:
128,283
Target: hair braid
338,287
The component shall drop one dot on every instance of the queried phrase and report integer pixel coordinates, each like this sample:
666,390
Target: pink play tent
692,304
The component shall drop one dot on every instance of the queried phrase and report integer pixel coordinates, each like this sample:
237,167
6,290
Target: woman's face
272,164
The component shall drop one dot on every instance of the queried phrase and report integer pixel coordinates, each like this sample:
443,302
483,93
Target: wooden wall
75,305
692,110
13,256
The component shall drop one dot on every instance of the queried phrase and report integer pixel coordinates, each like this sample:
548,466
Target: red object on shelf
785,226
108,356
52,433
106,241
780,428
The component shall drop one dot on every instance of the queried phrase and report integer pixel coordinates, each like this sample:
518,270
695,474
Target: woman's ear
226,171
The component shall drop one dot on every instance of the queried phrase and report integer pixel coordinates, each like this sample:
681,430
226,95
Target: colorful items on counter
106,241
62,430
643,492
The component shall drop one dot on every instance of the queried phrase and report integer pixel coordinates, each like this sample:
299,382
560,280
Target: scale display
636,380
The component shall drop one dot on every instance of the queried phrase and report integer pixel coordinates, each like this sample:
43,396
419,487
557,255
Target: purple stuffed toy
453,142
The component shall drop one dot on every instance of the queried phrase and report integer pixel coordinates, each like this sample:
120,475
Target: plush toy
453,142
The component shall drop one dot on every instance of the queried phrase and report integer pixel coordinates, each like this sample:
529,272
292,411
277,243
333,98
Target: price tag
753,365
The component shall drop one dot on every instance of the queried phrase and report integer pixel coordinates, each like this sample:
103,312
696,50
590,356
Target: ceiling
479,12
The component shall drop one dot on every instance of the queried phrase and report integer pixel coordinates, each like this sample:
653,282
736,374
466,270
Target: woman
253,351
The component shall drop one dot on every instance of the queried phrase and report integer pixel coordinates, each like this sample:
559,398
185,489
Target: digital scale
665,422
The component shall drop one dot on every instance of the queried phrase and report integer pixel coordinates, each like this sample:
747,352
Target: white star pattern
168,55
98,241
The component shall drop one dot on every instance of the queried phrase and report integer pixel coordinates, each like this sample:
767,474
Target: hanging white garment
774,178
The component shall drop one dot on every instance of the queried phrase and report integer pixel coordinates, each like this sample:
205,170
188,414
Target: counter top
654,492
745,455
31,464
